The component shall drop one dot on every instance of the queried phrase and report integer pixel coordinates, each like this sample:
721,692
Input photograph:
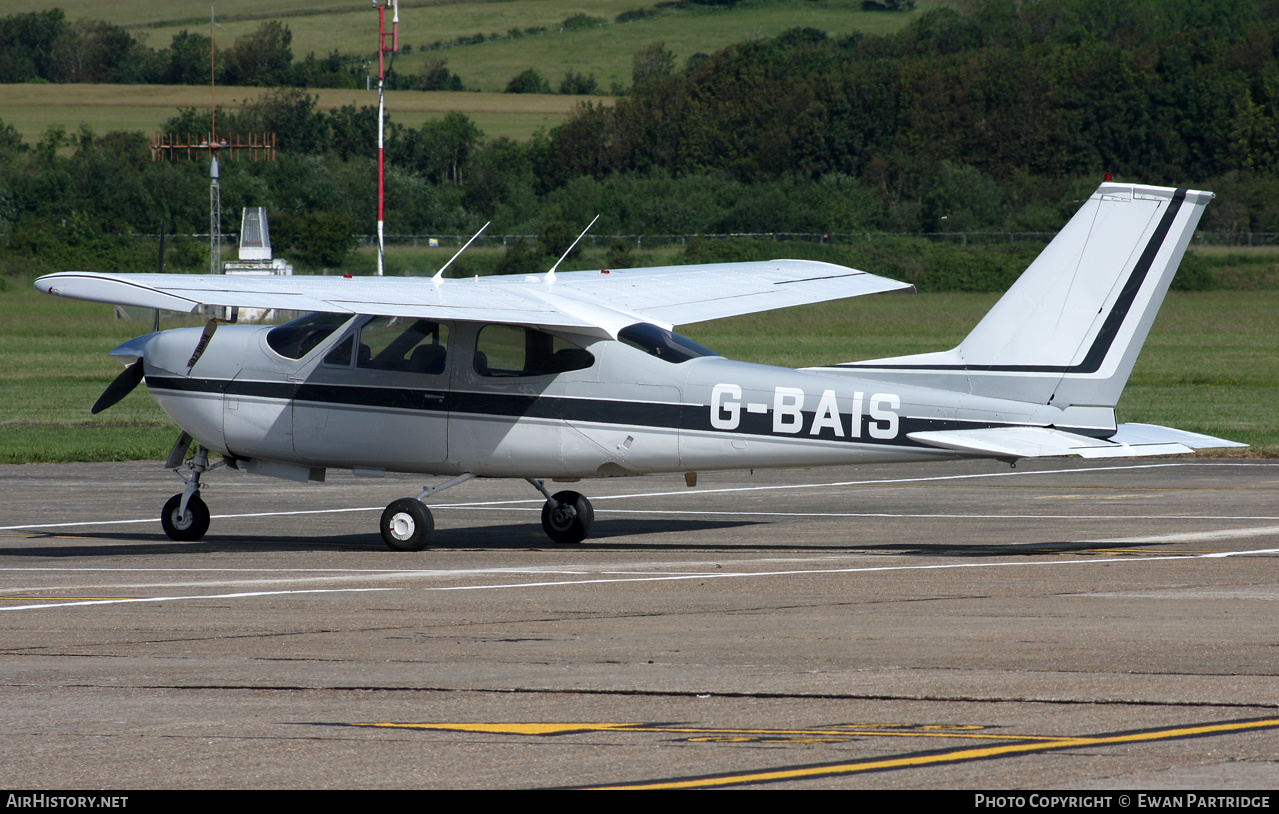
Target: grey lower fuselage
627,413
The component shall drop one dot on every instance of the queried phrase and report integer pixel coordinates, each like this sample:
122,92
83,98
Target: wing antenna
550,275
439,275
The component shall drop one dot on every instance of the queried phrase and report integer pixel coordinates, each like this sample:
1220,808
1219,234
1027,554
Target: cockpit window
403,344
510,350
298,337
659,342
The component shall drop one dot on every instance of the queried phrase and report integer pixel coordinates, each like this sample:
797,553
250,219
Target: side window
395,343
510,350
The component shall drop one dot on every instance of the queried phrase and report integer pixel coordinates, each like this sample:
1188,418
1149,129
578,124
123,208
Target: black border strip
1109,330
688,416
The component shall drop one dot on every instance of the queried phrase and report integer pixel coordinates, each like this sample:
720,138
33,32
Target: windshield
298,337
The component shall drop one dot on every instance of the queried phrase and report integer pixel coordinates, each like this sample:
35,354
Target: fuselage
397,394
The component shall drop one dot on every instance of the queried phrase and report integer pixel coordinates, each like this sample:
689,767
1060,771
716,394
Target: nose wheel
188,526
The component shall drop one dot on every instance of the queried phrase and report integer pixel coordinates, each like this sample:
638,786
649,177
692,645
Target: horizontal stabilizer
1130,440
1155,434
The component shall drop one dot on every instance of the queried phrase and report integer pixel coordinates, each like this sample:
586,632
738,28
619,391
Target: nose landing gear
185,517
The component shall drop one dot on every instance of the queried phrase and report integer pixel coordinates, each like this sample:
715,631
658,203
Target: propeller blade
205,336
121,387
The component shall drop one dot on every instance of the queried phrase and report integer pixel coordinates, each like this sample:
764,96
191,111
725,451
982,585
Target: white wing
594,301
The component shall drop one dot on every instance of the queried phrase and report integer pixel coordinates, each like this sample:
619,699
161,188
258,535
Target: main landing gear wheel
407,525
188,528
569,519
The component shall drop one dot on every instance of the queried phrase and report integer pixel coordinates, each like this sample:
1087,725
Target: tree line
998,115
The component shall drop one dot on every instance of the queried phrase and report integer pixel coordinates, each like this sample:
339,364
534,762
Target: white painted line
882,568
1197,536
693,492
685,513
330,579
157,519
682,577
181,598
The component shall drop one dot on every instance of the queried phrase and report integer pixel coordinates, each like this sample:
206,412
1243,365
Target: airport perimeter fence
638,242
650,241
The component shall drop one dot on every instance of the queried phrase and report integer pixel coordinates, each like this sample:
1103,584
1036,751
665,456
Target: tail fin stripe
1106,336
1110,328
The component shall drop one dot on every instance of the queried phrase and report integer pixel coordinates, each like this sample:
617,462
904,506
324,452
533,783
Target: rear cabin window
298,337
510,350
659,342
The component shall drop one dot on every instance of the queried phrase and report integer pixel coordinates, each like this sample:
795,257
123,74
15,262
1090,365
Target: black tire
407,525
185,529
571,522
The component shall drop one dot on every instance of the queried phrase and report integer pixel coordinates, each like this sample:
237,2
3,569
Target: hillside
604,50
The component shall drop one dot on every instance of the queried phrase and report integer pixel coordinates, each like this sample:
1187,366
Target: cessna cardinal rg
579,375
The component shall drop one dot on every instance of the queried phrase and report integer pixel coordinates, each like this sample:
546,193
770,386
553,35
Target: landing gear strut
407,524
185,517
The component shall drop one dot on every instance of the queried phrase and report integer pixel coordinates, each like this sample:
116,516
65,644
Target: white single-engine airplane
578,375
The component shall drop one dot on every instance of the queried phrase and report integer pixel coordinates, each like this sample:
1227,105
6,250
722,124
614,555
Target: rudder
1069,330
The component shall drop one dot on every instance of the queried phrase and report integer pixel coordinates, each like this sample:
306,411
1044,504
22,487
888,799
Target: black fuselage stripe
690,417
1110,328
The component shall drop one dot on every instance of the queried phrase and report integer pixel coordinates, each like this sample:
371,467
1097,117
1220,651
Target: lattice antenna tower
178,147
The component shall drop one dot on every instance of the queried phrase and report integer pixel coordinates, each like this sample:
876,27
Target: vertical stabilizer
1069,330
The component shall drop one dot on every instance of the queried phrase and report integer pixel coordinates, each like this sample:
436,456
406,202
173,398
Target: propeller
121,387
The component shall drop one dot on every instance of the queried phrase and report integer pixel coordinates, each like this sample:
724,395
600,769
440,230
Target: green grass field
33,108
352,29
1211,364
605,51
146,12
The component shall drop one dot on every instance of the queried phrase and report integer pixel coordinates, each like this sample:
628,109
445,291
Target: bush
576,84
926,264
619,255
581,21
315,238
521,257
1194,274
634,14
529,81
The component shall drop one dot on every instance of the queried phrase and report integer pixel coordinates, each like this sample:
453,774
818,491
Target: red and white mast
382,51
